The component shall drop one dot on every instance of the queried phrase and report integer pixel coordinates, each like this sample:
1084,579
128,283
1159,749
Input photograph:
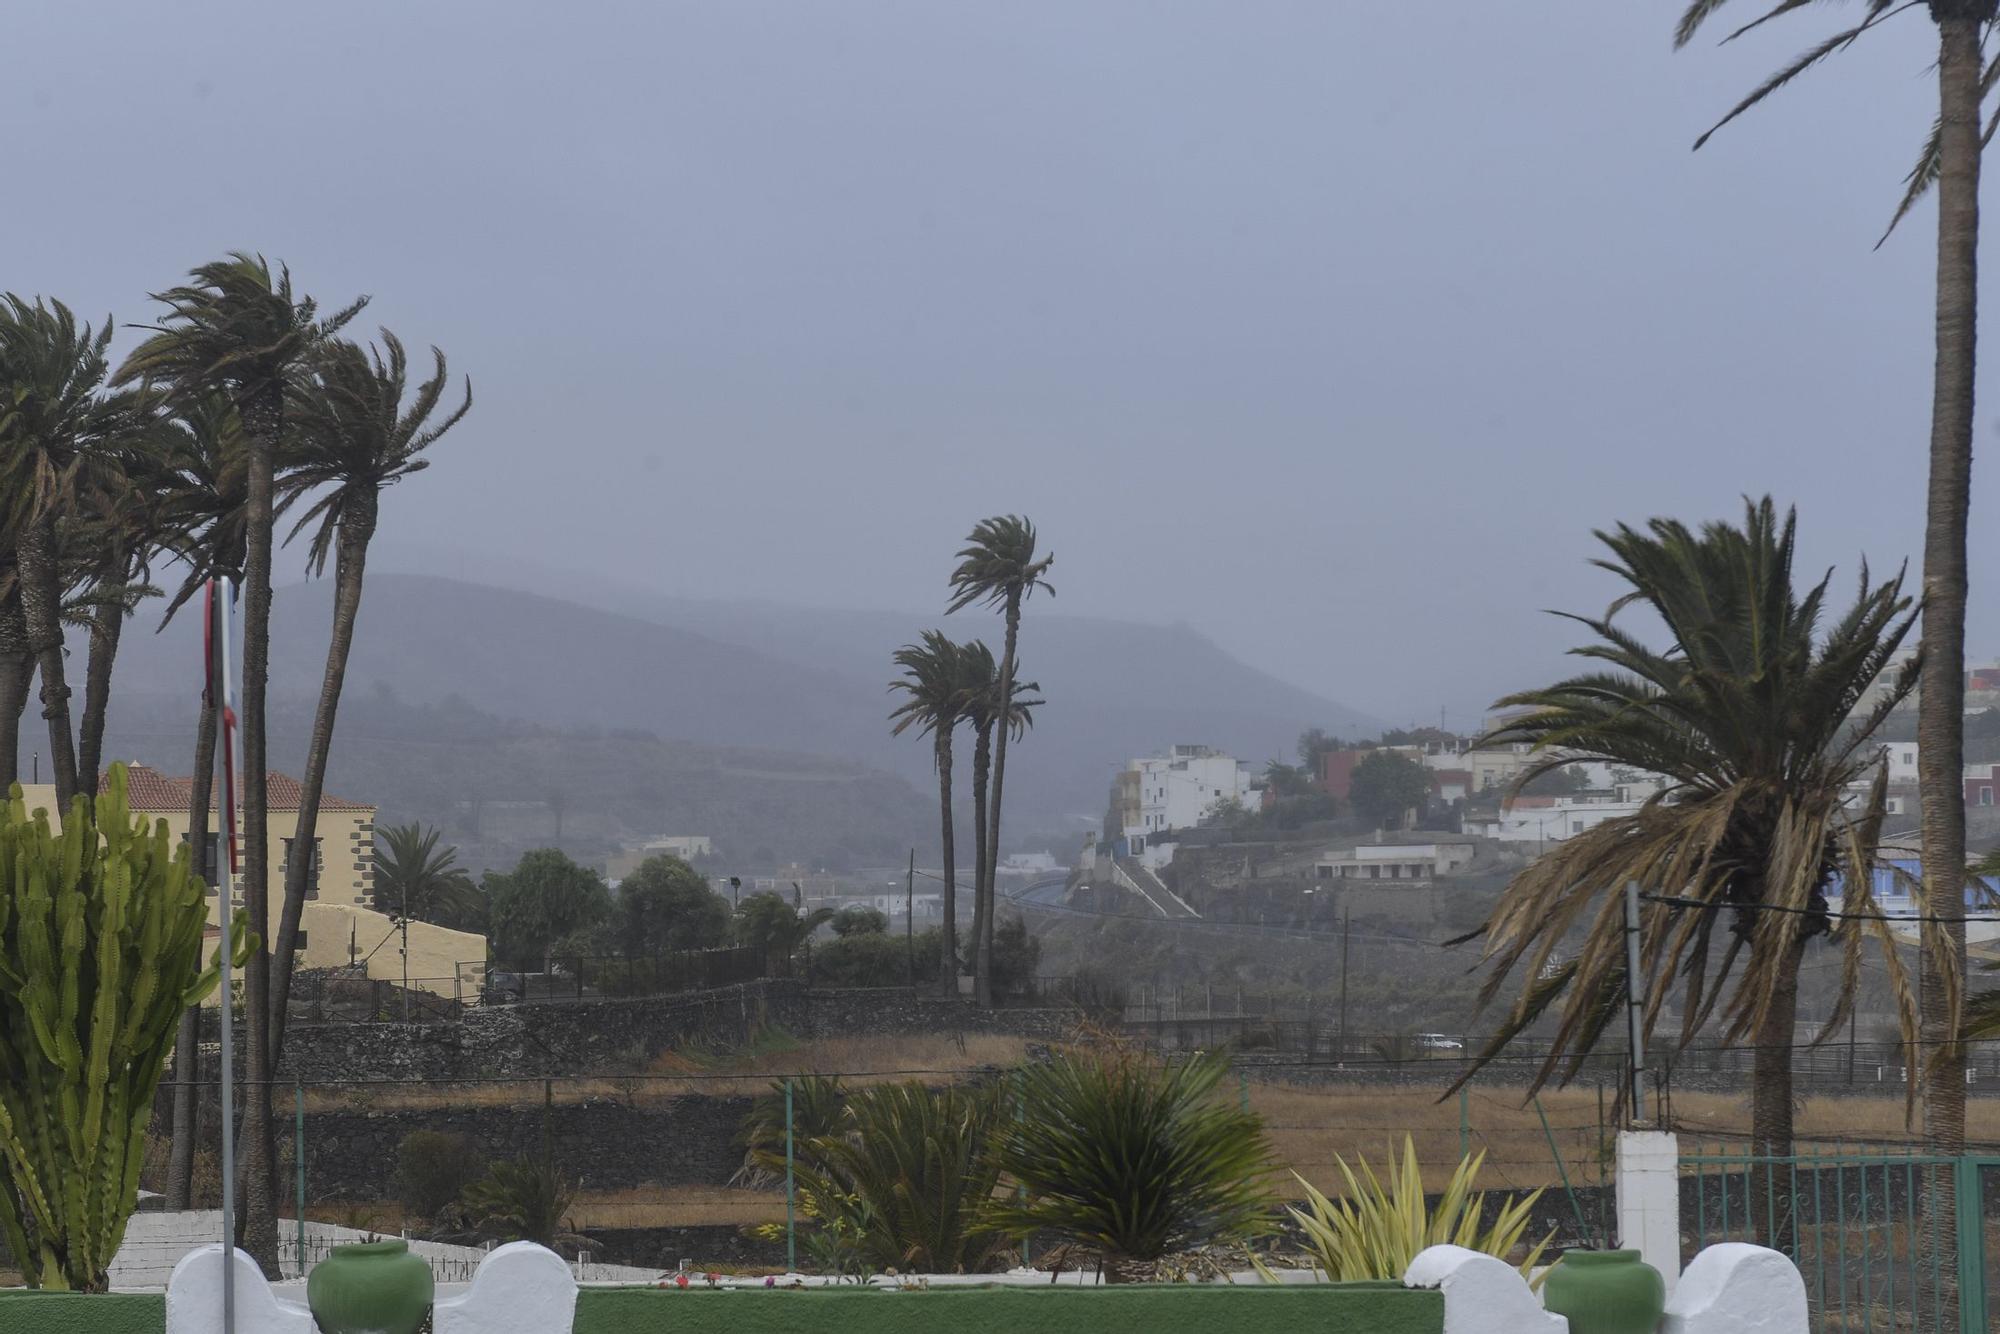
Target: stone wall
691,1141
602,1036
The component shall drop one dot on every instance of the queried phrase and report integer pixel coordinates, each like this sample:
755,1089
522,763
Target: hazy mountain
750,675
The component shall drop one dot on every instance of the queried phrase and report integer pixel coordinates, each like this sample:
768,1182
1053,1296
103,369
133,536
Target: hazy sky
1330,328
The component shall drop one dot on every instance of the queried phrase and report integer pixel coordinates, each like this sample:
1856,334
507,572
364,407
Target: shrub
1382,1223
1133,1158
433,1169
870,959
856,920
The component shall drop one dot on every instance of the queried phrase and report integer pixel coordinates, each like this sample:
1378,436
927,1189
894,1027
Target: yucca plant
100,932
1384,1222
1134,1158
526,1199
818,1112
910,1178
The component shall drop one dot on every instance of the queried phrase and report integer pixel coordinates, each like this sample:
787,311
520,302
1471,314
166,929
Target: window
318,861
214,862
1985,796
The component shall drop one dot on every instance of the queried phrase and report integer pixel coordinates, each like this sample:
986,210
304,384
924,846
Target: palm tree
238,328
355,438
1950,163
1135,1159
1747,719
911,1176
17,666
932,684
984,697
999,567
52,370
417,879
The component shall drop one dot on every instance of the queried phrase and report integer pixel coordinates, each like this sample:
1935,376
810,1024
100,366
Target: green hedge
23,1311
1164,1309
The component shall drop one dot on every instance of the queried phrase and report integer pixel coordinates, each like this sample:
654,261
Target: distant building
1545,820
1981,782
687,847
339,925
1178,789
1387,860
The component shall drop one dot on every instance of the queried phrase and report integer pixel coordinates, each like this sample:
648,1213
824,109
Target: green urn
1606,1292
370,1287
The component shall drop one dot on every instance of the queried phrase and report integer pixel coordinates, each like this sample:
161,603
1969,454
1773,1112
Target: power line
1675,901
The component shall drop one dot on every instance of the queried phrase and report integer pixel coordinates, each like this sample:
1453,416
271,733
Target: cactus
100,951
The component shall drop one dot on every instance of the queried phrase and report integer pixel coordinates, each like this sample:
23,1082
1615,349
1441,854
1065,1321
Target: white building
1544,820
1177,789
1395,861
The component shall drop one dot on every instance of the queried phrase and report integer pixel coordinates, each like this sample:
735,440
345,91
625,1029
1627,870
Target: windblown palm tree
53,422
933,688
985,698
238,328
999,567
417,879
17,665
1745,717
355,437
1949,163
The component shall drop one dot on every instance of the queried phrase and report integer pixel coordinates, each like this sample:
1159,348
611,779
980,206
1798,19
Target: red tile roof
151,790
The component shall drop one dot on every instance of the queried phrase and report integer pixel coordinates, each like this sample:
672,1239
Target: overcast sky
1330,328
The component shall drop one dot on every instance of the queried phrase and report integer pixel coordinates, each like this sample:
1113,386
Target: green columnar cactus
100,950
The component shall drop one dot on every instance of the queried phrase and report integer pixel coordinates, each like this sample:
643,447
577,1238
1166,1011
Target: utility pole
1346,923
1635,1003
404,923
910,921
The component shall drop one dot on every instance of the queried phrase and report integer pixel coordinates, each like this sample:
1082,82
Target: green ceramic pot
1606,1292
371,1287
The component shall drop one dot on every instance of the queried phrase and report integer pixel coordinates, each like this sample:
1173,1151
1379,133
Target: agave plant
1384,1222
818,1112
526,1199
910,1178
1133,1158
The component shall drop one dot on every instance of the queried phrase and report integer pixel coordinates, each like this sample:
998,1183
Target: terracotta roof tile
151,790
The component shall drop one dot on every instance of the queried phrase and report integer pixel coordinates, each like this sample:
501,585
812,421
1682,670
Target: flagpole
220,597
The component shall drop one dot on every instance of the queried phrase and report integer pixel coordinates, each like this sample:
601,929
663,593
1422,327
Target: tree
17,666
1133,1158
82,1048
237,328
855,920
1559,782
1313,743
416,878
666,905
1388,786
52,438
1016,955
1950,163
354,436
933,686
999,566
1287,780
773,927
983,694
1744,715
544,898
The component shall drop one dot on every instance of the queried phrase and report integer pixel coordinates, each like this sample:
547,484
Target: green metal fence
1881,1236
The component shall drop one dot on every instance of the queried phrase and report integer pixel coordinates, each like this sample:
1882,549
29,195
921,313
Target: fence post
1971,1244
1649,1199
299,1163
791,1233
1464,1123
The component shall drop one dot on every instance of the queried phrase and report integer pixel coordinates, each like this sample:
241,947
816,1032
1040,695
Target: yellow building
338,926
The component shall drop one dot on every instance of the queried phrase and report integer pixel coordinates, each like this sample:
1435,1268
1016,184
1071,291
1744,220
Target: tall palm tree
933,684
17,666
986,698
1747,718
239,328
355,437
55,418
999,567
1950,164
416,878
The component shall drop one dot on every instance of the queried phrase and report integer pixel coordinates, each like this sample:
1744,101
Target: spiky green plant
819,1108
100,930
1134,1158
910,1177
1384,1222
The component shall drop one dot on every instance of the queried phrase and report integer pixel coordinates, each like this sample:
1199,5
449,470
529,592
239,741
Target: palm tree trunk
992,842
1770,1184
948,927
357,528
261,413
41,611
107,624
982,760
1940,708
187,1043
17,673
